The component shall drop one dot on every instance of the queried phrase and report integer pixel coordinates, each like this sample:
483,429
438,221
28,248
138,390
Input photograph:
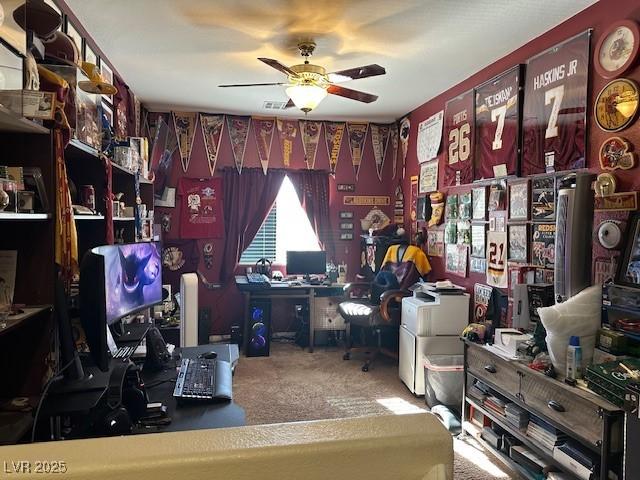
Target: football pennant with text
357,133
380,141
185,126
287,130
212,126
405,128
263,130
394,147
333,133
310,137
238,127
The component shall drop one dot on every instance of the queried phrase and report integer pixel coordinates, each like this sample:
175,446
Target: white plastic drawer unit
445,315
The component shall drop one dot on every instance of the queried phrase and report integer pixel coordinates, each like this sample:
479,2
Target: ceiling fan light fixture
306,96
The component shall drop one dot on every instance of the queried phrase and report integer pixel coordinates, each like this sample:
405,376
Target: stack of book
576,459
546,435
495,405
517,416
479,391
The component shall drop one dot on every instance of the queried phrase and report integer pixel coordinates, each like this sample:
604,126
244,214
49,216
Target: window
285,228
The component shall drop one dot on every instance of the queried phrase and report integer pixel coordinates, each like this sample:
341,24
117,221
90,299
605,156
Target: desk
283,290
192,416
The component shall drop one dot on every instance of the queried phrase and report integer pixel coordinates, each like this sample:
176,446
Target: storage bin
443,379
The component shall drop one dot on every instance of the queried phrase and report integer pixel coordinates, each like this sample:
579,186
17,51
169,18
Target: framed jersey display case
555,107
459,129
497,125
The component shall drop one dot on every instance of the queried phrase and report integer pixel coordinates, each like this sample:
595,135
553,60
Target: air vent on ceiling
273,105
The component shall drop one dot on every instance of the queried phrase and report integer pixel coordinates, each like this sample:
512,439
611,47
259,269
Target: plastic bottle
574,358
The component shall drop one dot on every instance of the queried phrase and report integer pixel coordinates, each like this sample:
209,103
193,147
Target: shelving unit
15,321
88,218
24,217
10,122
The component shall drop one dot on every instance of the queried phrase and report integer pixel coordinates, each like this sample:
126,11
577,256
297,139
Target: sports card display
555,107
543,198
518,243
458,140
464,206
479,203
498,125
543,244
464,232
497,259
519,200
478,235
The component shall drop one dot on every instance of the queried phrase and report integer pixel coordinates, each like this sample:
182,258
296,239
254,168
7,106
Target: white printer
431,324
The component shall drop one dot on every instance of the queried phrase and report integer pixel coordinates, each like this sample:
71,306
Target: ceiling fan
309,84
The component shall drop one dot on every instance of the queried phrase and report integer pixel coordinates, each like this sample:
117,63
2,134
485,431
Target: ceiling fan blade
250,85
290,104
357,72
352,94
278,66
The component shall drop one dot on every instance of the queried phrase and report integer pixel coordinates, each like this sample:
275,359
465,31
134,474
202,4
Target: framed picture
346,187
519,200
428,177
498,221
346,226
346,236
456,260
478,238
346,215
477,265
435,243
108,111
518,243
543,245
464,232
497,194
629,267
421,209
53,5
464,206
74,34
543,198
89,55
451,209
107,75
479,203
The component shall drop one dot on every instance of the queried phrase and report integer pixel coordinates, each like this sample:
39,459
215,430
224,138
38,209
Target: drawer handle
490,368
553,405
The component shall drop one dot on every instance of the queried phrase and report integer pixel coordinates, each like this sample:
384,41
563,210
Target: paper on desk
499,352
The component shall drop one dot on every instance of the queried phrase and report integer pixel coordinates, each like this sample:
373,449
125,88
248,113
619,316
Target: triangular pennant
394,147
405,128
185,125
333,133
238,128
287,131
212,126
380,141
263,131
310,132
357,133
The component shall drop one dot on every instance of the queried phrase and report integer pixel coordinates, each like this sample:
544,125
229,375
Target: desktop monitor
306,263
116,281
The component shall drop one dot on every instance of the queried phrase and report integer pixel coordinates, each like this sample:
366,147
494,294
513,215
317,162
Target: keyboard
257,278
124,352
196,379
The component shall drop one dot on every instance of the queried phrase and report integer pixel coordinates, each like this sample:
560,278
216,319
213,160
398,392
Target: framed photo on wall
478,238
519,200
543,198
479,203
346,215
518,243
74,34
89,55
629,267
428,177
107,74
346,226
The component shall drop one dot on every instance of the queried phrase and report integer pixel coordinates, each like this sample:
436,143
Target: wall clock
617,105
617,49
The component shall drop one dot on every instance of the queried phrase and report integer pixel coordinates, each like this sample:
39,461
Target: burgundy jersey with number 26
458,140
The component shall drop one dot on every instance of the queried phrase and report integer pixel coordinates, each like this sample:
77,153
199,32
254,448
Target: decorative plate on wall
617,105
617,49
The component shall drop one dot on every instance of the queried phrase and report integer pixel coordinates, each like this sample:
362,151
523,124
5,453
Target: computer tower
259,329
573,235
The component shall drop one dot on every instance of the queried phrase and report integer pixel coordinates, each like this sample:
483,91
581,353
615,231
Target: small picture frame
479,203
108,111
518,243
543,198
497,194
346,236
89,55
107,75
346,226
464,206
346,187
346,215
629,267
478,240
519,200
421,209
74,34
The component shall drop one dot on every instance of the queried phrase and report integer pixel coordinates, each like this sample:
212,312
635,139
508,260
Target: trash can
443,379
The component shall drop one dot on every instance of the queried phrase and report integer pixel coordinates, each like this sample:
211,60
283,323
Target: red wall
598,17
226,304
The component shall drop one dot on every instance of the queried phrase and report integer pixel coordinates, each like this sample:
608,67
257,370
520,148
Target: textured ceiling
174,53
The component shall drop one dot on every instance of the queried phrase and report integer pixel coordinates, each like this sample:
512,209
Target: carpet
292,385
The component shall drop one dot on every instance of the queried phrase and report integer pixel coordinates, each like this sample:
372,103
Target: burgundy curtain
248,199
312,187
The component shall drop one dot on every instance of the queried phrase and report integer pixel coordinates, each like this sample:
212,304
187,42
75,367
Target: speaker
574,222
189,310
259,332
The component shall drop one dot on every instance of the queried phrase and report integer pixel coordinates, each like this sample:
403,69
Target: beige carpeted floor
294,385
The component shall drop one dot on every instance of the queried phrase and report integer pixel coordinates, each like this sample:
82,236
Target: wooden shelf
88,217
15,321
76,148
124,219
119,169
11,122
24,217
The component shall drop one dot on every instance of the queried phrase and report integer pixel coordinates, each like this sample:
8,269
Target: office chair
375,307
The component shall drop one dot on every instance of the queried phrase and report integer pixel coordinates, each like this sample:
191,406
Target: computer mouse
209,355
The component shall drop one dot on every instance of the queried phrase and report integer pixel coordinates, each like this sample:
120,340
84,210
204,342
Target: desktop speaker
259,332
573,235
189,310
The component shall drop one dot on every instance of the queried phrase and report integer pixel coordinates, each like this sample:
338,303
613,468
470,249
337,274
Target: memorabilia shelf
123,219
16,321
24,217
10,122
88,217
